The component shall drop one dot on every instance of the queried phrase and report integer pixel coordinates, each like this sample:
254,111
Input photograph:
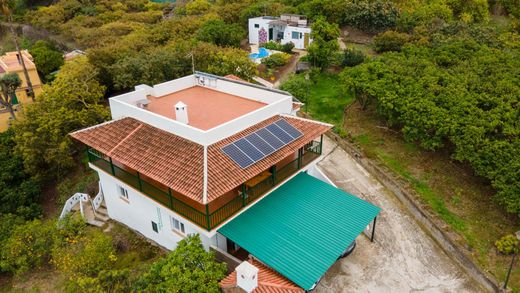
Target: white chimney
181,112
247,276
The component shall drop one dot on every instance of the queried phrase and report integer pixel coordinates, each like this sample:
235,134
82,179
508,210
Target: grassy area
449,189
326,103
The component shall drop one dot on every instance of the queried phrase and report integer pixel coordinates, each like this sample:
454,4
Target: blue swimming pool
262,52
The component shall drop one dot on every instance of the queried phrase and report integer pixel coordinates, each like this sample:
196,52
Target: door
306,40
270,34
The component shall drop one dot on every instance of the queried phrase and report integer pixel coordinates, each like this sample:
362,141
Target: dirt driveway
403,258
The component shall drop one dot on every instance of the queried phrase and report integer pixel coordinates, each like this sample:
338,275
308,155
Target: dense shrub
84,255
189,268
376,15
512,7
352,57
390,41
458,93
19,192
47,58
276,60
507,244
287,47
28,247
220,33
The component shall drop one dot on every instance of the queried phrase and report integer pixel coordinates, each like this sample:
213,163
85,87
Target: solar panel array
260,144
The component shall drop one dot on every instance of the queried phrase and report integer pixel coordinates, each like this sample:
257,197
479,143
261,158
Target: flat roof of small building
11,63
207,108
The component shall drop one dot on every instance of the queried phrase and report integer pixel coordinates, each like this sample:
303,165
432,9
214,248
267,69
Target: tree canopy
188,268
71,102
457,93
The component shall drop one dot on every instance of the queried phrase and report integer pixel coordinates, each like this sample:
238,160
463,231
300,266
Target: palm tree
6,7
8,85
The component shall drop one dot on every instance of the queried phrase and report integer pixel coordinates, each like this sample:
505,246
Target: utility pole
192,62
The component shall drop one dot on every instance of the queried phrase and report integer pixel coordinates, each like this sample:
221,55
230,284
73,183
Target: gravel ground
403,257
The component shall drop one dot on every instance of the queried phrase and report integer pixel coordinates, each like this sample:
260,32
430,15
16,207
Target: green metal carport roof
301,228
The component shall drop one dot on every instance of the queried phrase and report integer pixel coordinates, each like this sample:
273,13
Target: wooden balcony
210,215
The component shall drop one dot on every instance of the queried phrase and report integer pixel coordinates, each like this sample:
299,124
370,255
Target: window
155,228
295,35
123,192
257,25
177,225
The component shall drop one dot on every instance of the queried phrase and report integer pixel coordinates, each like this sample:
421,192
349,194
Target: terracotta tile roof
171,160
177,162
269,281
224,174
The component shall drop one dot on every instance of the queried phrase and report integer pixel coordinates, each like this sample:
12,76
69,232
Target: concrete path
403,257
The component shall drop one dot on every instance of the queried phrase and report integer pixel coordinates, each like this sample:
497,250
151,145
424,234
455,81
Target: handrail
72,201
206,220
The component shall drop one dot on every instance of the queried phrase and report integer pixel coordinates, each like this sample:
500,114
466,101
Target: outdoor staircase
94,217
93,211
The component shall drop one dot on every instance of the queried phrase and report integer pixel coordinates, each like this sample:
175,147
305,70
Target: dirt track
403,257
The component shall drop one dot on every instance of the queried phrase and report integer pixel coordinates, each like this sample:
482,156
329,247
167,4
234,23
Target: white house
196,154
284,29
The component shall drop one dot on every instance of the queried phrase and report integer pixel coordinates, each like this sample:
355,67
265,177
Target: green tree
8,85
325,43
220,33
189,268
19,192
390,41
46,58
28,247
71,102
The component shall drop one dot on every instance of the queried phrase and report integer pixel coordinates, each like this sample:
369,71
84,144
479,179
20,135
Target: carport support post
373,230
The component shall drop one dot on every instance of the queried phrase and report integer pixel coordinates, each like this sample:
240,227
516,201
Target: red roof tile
269,281
177,162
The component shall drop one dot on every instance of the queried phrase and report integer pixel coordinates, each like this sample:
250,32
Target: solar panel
250,150
295,133
270,138
256,146
237,155
278,132
260,144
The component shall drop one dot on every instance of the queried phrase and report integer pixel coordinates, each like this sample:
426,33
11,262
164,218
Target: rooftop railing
207,220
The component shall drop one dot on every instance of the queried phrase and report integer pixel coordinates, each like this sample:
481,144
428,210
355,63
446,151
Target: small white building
284,29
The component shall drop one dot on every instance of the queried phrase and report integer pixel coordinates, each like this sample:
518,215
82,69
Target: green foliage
86,183
46,58
286,48
189,268
28,247
8,84
470,10
84,255
276,60
424,15
297,86
220,33
70,102
512,7
507,244
371,15
19,192
458,93
390,41
325,43
352,57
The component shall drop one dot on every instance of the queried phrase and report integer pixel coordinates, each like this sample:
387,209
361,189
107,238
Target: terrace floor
207,108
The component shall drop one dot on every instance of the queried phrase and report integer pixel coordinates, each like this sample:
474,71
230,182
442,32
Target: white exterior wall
139,212
287,36
298,43
276,103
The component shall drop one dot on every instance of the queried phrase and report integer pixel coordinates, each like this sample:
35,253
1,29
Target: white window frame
257,25
177,225
297,37
123,192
